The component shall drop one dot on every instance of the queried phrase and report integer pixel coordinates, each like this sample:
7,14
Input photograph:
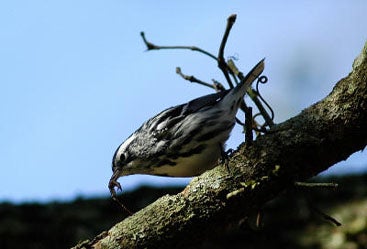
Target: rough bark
295,150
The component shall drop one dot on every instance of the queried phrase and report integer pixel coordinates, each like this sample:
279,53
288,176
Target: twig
114,197
253,95
151,46
316,184
325,216
192,78
249,137
218,86
314,208
263,79
259,218
221,62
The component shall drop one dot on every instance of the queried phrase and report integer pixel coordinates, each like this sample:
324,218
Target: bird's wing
171,116
199,103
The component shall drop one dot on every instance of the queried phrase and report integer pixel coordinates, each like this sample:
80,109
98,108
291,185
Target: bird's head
123,159
119,161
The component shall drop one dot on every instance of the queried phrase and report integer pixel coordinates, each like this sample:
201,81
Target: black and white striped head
123,158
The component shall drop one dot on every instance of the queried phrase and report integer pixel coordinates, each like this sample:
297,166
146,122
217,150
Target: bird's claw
225,155
224,159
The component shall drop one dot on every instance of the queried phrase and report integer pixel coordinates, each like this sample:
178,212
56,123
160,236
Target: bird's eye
122,157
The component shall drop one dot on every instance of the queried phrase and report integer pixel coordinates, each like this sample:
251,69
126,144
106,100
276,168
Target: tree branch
295,150
151,46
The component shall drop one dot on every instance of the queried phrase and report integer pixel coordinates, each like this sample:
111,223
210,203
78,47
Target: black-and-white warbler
183,140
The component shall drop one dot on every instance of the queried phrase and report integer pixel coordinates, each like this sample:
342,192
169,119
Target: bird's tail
251,76
236,94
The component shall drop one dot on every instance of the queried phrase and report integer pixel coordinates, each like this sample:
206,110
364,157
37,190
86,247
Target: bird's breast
192,165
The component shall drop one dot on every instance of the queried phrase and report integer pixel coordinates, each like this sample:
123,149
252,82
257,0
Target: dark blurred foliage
289,221
62,225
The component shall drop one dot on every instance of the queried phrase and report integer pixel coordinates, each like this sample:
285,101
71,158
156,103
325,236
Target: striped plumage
184,140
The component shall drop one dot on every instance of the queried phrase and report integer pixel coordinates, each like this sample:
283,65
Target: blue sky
75,80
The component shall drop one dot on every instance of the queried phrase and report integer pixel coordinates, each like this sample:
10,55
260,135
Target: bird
185,140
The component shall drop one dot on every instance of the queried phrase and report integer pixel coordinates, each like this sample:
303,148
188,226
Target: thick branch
301,147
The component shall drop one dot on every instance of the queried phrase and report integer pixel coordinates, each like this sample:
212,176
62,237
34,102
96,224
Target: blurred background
76,80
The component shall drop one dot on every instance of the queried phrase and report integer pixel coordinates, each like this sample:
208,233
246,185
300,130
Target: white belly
193,165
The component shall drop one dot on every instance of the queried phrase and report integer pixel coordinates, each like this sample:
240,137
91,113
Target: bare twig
151,46
312,185
218,86
249,138
259,218
325,216
192,78
263,79
114,197
316,184
221,61
253,95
